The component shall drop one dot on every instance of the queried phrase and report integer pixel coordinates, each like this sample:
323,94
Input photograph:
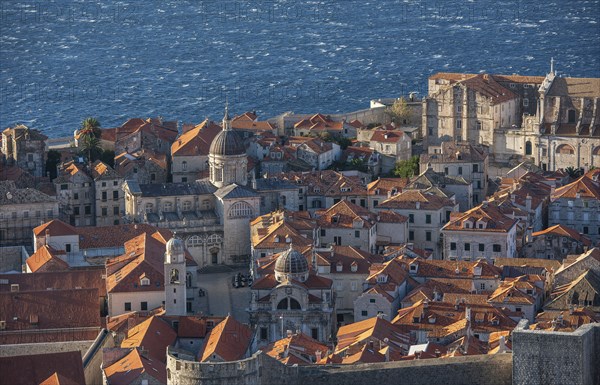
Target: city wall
543,357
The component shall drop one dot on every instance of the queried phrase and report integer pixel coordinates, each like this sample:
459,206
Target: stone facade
25,148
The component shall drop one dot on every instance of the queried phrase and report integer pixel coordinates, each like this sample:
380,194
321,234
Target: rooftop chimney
318,355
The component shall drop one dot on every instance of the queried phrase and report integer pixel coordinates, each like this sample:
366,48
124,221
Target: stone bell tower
175,278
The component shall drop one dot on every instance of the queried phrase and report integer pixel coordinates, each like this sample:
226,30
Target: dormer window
335,219
277,239
354,267
144,282
339,267
288,240
346,189
382,278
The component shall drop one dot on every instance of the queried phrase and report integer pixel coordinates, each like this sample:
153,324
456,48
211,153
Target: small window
364,313
586,230
467,247
411,235
372,300
497,248
116,195
482,286
264,334
481,247
88,210
144,305
460,171
116,210
323,232
459,124
356,234
411,218
104,211
428,235
452,245
525,102
428,218
127,306
475,168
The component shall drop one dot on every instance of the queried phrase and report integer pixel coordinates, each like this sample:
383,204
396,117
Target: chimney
571,309
468,314
484,204
502,348
318,355
437,353
47,239
418,205
288,333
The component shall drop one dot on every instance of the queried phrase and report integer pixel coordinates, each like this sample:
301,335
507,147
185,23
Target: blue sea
61,61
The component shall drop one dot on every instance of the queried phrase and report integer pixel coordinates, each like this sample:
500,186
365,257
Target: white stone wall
116,301
507,242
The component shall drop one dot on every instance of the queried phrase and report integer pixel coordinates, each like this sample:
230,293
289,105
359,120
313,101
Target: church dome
292,264
227,142
175,246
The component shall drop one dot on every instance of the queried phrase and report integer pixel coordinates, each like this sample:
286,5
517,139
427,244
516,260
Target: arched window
565,149
528,149
184,165
283,304
149,208
295,305
194,240
241,210
187,206
289,304
214,238
596,151
174,276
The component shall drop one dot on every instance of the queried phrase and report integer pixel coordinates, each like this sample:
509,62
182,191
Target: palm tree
573,172
89,134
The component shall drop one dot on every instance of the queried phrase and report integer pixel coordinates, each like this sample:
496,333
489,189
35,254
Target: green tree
52,161
90,147
407,168
573,172
90,126
399,111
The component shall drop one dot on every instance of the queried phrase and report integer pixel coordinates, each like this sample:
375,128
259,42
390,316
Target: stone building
555,242
21,209
392,145
482,232
76,195
189,152
205,210
291,297
25,148
460,159
110,203
577,205
153,134
144,166
318,153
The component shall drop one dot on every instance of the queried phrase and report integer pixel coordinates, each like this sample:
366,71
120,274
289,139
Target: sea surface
61,61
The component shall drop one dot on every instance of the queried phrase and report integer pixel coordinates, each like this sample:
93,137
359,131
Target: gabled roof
387,136
55,227
347,257
347,214
511,292
382,186
409,199
66,367
457,152
360,333
229,340
573,262
46,259
154,335
564,231
196,141
561,296
296,349
451,269
126,370
564,320
277,237
11,195
234,191
584,187
490,214
101,170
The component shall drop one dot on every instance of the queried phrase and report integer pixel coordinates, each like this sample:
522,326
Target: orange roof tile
564,231
154,335
55,227
46,259
584,187
296,349
229,341
131,366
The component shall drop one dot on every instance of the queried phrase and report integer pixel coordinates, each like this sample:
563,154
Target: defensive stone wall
548,357
12,258
44,348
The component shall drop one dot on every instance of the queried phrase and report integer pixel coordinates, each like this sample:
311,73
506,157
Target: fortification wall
546,358
473,370
44,348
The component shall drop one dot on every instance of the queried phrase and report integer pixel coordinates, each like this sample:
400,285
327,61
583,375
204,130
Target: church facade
210,215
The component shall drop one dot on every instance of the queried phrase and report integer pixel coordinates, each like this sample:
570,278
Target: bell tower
175,278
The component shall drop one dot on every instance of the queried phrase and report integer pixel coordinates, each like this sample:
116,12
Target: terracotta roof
573,260
564,231
442,286
319,123
347,256
296,349
467,345
63,280
382,186
46,259
511,78
408,200
585,187
489,216
511,292
165,130
126,370
196,141
387,136
450,269
457,152
64,367
116,235
154,335
37,310
347,214
376,328
548,264
101,170
278,236
575,87
229,340
565,320
55,227
393,270
248,122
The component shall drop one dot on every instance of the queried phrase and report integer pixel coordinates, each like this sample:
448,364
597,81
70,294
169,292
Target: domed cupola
174,250
227,142
291,264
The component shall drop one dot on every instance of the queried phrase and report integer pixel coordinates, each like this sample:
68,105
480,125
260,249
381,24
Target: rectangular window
586,230
364,313
452,245
75,196
115,195
411,235
127,306
76,210
116,210
497,248
475,168
337,240
144,305
356,234
88,210
104,195
482,247
263,333
467,247
445,170
460,171
322,232
482,286
411,218
459,124
104,211
372,300
428,218
428,235
525,102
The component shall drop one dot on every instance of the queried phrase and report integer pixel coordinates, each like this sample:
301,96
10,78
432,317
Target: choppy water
64,60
